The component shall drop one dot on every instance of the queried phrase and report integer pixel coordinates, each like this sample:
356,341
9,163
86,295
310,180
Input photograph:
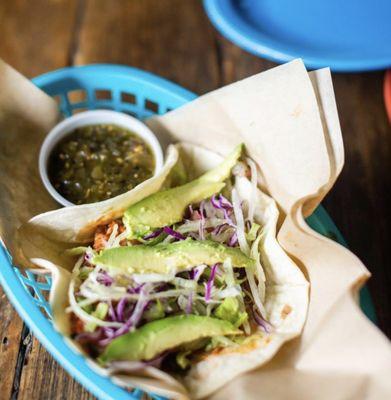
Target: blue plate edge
274,54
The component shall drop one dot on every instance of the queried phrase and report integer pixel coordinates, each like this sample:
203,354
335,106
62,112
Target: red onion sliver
154,234
112,314
209,284
265,325
225,203
233,241
104,278
173,233
216,231
120,309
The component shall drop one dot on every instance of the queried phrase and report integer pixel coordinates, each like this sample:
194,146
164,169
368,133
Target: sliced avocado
170,257
164,334
168,206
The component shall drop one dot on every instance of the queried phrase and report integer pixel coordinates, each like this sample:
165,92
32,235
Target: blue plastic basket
140,94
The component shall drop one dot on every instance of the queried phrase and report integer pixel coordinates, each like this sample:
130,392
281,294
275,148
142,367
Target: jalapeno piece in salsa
97,162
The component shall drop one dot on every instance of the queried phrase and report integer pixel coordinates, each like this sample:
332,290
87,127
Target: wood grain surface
174,39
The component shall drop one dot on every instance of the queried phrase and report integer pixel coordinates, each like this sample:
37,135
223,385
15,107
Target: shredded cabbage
146,278
83,315
258,267
184,283
240,228
254,183
125,301
122,236
112,237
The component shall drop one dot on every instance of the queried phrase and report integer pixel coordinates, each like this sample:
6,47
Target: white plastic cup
94,117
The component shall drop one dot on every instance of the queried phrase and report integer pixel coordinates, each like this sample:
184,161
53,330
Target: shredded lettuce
240,228
260,274
244,246
252,233
112,237
83,315
153,277
100,313
219,342
156,311
229,310
182,360
85,272
254,183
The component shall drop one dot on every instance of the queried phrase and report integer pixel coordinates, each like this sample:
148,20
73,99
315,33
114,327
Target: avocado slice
168,206
164,334
170,257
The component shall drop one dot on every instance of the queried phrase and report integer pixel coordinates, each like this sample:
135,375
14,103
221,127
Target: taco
178,285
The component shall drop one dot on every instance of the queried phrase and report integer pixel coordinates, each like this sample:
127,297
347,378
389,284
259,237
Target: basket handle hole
128,98
151,105
77,96
103,94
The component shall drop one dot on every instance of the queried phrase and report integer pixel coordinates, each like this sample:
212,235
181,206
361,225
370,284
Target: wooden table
174,39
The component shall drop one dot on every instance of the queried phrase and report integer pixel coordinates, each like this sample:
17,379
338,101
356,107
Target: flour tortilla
44,238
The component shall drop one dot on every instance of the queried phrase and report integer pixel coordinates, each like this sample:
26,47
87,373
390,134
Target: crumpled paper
289,122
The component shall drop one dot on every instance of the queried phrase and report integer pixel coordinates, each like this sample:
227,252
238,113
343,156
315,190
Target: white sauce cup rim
68,125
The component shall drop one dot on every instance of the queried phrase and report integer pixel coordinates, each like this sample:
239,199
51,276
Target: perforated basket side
124,89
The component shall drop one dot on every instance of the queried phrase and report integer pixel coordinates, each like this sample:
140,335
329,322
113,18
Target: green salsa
97,162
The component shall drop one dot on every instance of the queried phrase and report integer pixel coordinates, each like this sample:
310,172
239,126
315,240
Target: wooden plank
10,330
43,378
236,64
171,38
36,36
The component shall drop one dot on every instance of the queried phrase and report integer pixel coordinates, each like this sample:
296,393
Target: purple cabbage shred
264,325
104,278
209,284
154,234
173,233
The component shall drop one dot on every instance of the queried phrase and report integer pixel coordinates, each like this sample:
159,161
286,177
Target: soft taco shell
44,238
